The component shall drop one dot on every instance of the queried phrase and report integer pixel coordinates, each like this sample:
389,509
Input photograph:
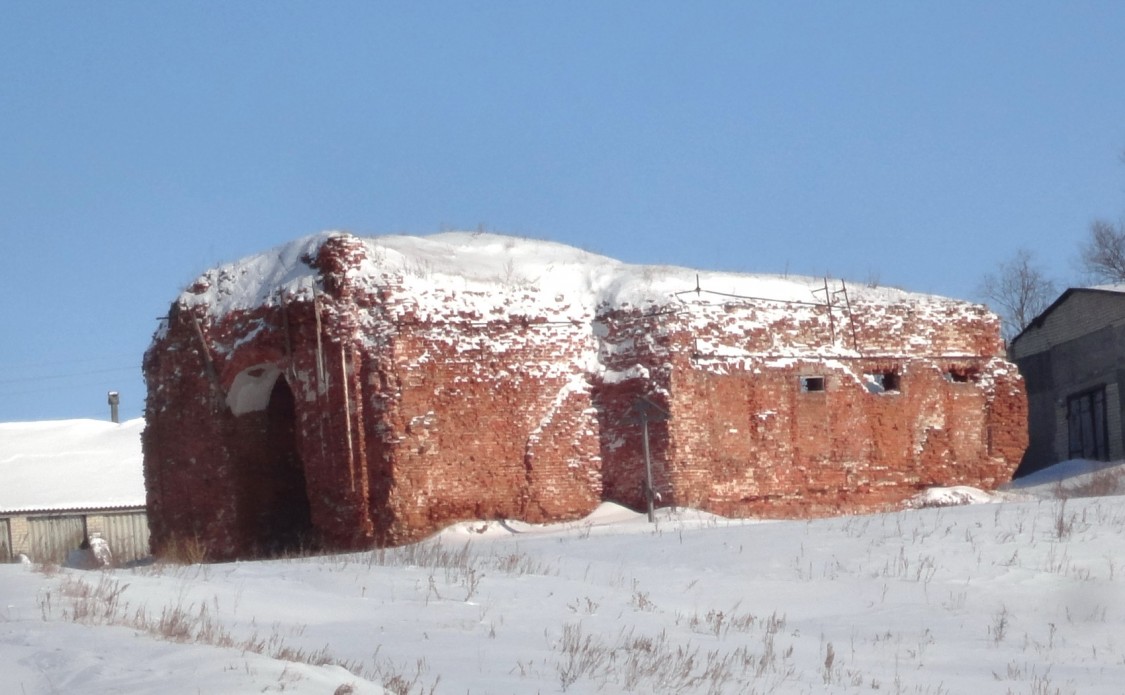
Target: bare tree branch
1103,254
1018,291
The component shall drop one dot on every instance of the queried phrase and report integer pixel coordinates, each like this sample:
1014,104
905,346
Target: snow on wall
473,375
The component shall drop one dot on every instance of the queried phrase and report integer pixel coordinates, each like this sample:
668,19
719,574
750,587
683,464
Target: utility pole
646,411
649,492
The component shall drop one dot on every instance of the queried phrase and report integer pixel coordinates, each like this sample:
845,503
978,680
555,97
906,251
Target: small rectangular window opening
811,384
962,375
882,382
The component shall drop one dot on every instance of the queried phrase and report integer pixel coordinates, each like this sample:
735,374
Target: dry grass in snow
1010,597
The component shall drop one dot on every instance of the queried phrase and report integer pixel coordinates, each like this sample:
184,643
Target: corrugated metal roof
71,510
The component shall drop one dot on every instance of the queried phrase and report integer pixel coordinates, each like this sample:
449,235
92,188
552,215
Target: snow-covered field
1023,594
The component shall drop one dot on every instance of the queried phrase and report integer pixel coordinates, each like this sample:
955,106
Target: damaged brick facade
345,411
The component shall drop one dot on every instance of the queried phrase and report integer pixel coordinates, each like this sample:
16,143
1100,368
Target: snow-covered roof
1113,287
471,269
63,465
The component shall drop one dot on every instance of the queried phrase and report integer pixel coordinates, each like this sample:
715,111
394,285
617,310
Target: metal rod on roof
851,317
828,303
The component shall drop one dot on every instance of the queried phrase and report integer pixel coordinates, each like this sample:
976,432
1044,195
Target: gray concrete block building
1072,358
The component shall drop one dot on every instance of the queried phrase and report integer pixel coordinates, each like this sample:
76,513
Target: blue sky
916,144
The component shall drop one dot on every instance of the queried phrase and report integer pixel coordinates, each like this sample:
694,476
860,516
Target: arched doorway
284,521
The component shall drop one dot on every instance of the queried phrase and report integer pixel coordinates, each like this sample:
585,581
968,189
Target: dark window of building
882,382
810,384
1086,425
962,375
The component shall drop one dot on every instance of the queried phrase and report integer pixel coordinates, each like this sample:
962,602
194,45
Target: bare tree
1018,291
1103,254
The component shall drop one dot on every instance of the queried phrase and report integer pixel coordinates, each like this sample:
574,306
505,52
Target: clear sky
914,144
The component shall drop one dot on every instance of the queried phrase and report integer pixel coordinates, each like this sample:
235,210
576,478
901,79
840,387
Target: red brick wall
743,440
402,421
488,431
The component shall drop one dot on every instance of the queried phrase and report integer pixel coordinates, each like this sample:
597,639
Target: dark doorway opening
1086,426
284,518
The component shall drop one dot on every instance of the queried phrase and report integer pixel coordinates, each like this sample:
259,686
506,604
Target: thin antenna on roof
114,399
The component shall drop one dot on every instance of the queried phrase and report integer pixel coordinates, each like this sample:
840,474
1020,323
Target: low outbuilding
64,482
1072,358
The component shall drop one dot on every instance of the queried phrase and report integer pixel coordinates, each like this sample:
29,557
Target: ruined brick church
340,392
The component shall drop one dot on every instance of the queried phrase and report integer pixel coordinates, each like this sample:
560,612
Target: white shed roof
62,465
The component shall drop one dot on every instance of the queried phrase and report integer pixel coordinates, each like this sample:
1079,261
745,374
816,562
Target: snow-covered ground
1020,595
